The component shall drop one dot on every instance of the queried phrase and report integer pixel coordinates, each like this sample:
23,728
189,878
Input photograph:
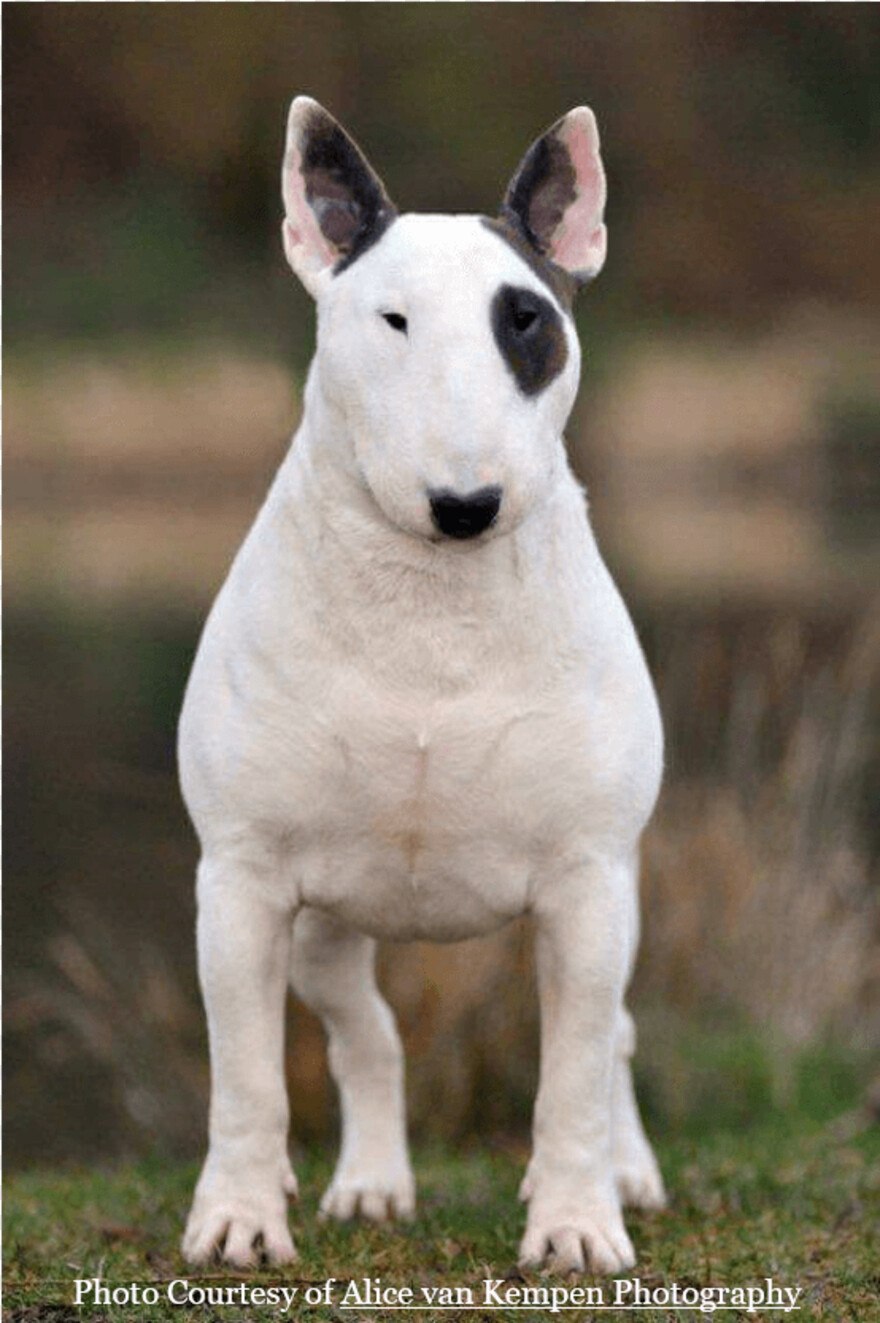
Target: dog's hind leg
639,1182
332,970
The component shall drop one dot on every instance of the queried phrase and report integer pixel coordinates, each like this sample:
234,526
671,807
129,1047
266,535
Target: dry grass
758,892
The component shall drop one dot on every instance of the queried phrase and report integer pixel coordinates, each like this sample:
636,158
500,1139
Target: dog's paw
566,1240
376,1196
575,1223
240,1217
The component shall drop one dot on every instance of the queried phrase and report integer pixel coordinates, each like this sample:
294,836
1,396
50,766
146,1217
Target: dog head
447,350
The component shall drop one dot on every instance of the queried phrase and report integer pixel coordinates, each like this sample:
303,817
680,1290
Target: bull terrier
419,708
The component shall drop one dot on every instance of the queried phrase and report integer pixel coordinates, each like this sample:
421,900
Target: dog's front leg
243,949
575,1218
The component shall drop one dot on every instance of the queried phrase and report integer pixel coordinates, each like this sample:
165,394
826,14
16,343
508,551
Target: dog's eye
523,317
396,320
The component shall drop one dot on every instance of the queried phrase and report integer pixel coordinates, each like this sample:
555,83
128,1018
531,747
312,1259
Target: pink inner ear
579,241
303,230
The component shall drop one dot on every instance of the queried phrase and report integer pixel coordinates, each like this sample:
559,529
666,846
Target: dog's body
419,714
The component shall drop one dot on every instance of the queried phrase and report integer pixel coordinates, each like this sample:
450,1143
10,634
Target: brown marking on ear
542,189
347,197
556,197
561,283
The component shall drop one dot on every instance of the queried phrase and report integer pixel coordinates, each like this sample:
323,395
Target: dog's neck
431,617
348,535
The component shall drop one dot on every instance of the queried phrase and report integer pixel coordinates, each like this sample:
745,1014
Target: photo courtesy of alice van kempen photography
442,659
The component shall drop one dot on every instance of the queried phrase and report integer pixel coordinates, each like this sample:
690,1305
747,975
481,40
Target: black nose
464,516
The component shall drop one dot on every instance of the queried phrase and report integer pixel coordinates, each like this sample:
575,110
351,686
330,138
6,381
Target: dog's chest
429,818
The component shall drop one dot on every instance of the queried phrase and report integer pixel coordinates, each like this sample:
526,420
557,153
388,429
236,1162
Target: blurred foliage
851,471
143,143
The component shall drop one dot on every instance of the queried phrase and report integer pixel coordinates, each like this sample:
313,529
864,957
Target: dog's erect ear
335,204
557,196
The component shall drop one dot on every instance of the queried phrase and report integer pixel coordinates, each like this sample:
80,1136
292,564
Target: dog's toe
340,1203
278,1245
239,1248
374,1206
203,1237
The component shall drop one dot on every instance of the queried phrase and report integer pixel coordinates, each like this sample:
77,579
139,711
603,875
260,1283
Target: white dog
419,708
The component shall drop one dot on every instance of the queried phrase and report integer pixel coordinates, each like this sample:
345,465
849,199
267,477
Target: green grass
795,1200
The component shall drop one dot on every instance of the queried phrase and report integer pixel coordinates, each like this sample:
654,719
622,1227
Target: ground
792,1200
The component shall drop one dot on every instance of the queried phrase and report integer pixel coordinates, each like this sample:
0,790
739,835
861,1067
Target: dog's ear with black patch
556,199
335,204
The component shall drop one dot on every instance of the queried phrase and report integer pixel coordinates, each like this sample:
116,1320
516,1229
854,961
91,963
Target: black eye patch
529,333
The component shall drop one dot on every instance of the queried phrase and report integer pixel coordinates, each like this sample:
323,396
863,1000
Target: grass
792,1199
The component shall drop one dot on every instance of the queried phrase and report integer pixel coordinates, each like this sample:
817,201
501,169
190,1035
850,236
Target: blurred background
728,430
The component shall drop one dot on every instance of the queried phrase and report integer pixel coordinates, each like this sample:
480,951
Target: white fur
390,735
